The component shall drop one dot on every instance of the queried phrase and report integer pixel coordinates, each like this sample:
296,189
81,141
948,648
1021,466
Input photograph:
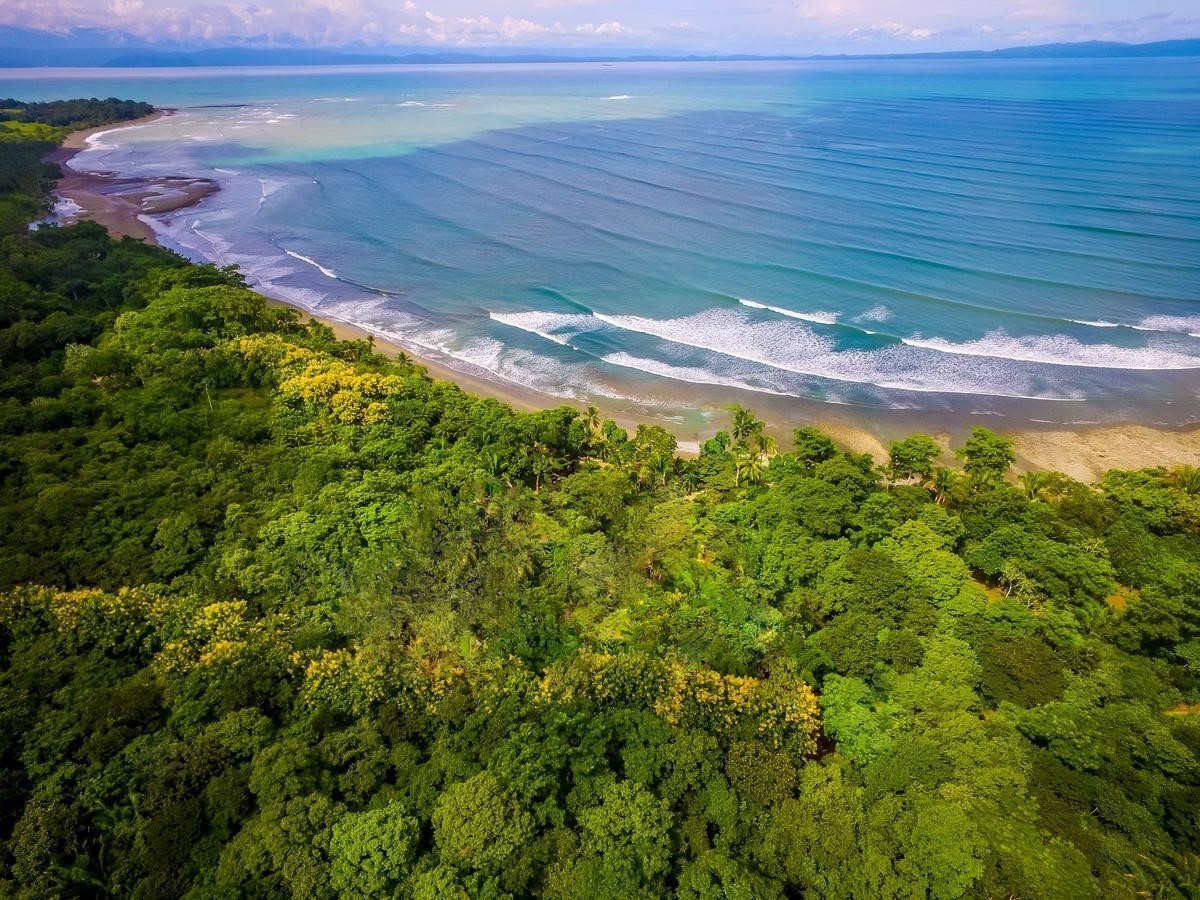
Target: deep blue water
922,235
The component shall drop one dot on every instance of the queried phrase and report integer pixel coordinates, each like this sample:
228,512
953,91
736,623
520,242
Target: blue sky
759,26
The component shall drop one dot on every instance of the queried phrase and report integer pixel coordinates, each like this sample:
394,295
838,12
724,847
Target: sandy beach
118,203
1083,452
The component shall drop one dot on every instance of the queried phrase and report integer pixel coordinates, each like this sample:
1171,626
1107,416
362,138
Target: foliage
83,113
282,617
912,457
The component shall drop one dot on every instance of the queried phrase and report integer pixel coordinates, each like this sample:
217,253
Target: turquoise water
1017,237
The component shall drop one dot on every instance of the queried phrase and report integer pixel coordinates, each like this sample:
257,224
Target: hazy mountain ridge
26,48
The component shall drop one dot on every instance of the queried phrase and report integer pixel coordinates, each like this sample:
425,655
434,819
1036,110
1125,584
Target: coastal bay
284,615
515,355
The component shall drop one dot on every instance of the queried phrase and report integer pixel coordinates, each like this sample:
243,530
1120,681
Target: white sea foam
548,325
1189,325
795,348
96,141
877,313
371,315
411,103
1060,350
218,245
819,317
689,374
305,297
521,367
621,97
781,346
269,187
325,270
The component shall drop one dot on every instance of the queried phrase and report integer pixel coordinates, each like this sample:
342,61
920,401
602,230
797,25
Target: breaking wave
820,318
1060,350
325,270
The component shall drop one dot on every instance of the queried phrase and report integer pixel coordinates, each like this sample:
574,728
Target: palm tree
493,463
765,444
542,463
1186,478
1094,617
615,454
1033,483
663,466
748,465
745,426
594,425
942,484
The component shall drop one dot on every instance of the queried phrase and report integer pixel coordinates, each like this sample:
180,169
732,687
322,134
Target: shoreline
1084,452
119,203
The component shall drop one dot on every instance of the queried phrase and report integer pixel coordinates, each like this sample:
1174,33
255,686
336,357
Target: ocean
1016,238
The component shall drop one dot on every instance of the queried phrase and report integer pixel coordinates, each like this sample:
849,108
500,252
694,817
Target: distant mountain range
22,48
1080,50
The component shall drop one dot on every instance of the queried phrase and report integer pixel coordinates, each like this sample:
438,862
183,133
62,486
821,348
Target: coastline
116,202
1084,452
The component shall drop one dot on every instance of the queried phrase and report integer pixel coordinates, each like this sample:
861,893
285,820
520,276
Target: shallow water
1017,237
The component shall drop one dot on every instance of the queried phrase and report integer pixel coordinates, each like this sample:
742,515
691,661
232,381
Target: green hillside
282,617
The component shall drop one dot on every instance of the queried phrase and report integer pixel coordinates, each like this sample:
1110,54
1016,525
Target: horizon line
361,55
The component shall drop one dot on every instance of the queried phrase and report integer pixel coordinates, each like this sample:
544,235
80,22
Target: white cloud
891,30
604,28
761,25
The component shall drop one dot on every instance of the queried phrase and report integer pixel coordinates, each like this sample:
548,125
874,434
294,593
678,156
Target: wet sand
118,203
1083,452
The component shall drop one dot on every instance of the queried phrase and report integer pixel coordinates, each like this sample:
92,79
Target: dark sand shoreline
117,202
1085,452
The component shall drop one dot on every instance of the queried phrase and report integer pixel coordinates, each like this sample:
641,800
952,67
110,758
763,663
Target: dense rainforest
282,617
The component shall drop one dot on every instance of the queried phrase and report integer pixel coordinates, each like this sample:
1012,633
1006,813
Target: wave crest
325,270
557,327
1060,350
819,317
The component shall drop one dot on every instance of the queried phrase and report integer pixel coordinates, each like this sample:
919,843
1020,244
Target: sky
715,26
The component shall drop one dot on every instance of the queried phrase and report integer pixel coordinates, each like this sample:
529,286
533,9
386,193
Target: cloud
767,26
318,22
891,30
604,28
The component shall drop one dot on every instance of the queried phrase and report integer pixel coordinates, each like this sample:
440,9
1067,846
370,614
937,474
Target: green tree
372,852
912,457
746,426
478,825
625,842
986,456
812,446
750,466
